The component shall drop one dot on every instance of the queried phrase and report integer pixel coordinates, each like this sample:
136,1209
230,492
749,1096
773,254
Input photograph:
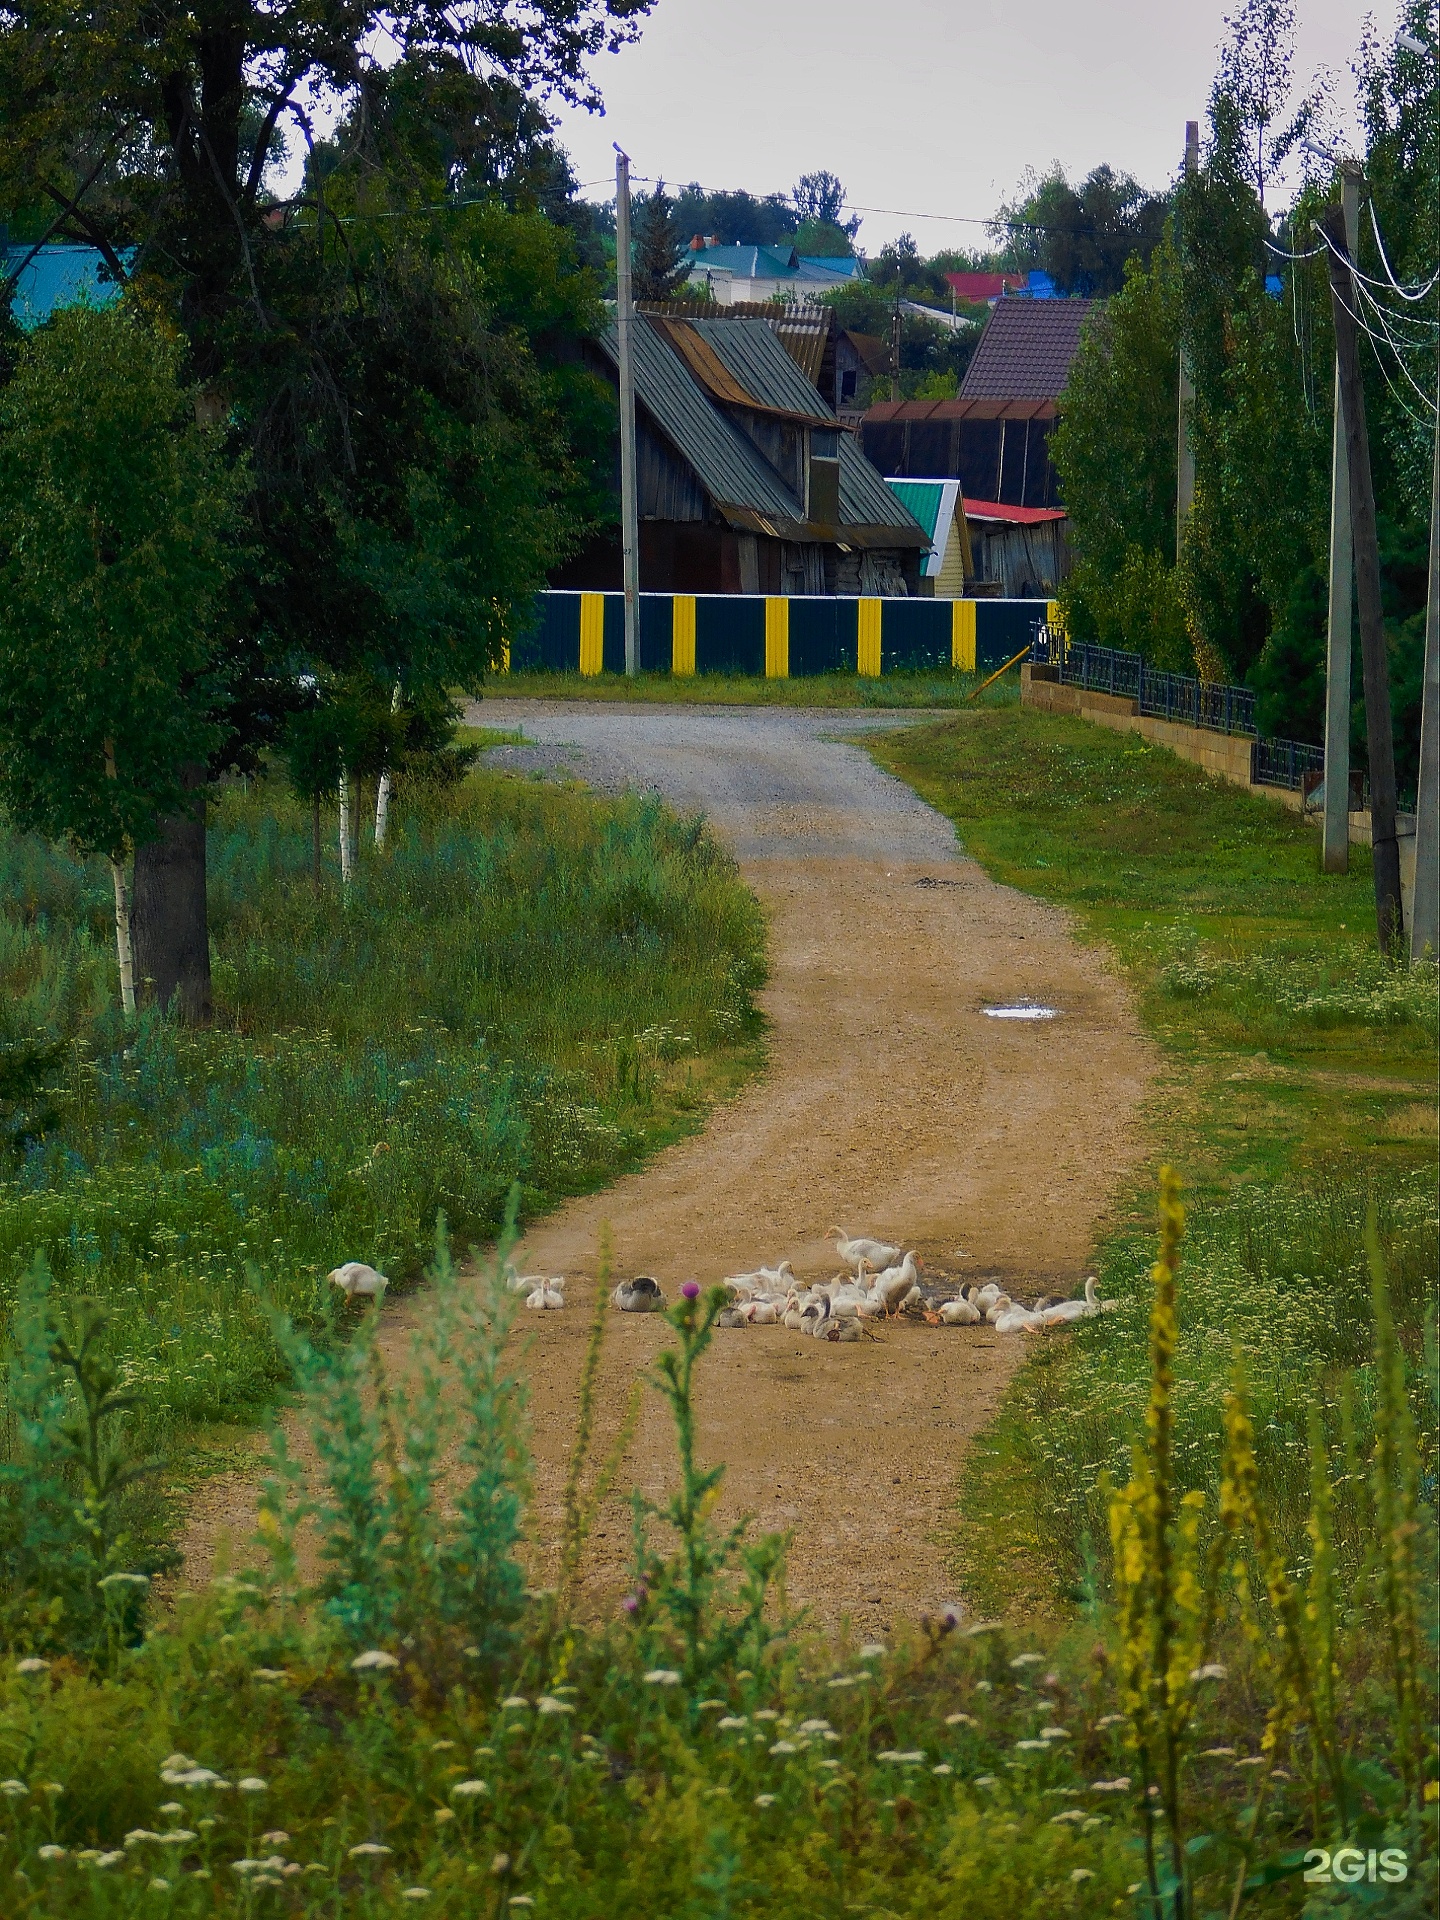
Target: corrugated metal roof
921,498
60,276
1026,350
774,263
733,471
902,410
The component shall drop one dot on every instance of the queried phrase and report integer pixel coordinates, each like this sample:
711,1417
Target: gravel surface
890,1105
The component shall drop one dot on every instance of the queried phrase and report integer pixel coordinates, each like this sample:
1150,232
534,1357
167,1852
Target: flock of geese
877,1282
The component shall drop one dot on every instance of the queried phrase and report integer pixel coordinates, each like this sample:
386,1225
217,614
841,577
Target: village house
728,274
747,481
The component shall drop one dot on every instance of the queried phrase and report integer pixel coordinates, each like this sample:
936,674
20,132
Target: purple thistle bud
631,1603
691,1289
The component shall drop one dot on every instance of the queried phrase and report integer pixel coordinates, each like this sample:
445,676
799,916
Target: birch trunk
124,952
382,794
347,857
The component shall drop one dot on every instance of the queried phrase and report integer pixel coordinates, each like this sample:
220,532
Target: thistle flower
691,1290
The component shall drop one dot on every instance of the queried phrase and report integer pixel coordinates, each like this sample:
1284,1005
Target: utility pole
1335,844
629,505
1389,914
1184,453
1425,905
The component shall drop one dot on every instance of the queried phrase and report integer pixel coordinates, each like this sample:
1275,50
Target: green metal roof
923,498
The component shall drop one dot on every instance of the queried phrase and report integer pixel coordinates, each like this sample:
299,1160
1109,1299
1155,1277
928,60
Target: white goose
1064,1311
959,1313
1017,1319
356,1280
1000,1305
895,1283
548,1297
986,1296
852,1252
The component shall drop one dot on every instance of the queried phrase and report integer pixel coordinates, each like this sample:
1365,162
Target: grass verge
529,985
892,690
1298,1091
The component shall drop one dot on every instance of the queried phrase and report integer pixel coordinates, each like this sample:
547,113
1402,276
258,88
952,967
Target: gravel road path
892,1105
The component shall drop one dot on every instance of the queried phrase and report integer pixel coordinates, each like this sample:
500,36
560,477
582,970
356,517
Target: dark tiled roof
1026,350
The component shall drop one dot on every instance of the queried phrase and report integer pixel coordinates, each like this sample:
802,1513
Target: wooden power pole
1184,450
624,336
1335,844
1379,732
1425,905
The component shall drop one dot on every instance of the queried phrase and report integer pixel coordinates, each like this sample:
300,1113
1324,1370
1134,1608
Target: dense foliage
1247,599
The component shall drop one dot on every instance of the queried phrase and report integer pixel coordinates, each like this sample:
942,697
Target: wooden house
747,482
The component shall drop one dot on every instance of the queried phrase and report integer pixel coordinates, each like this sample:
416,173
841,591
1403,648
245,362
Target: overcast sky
926,107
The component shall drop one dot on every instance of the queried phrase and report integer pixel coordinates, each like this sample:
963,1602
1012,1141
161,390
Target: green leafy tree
159,127
819,201
1082,236
116,514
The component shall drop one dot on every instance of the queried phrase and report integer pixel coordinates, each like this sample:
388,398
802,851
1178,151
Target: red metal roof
1012,516
1026,350
985,286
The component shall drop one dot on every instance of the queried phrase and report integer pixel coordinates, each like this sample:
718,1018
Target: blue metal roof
60,276
775,263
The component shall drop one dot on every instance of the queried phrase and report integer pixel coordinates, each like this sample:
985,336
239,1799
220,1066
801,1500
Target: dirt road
893,1105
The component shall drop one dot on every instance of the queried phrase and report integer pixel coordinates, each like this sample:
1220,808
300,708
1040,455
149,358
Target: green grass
892,690
1297,1088
531,985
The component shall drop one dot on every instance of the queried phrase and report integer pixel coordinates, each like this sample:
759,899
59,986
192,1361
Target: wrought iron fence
1178,697
1284,763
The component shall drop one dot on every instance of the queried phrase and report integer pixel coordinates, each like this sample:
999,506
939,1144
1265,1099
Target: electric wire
1419,293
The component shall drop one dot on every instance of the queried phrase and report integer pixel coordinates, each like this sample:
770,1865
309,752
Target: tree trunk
170,925
347,857
122,937
382,810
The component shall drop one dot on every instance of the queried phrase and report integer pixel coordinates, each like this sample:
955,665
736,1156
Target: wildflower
171,1806
547,1703
123,1580
1022,1660
1118,1785
442,1814
51,1853
375,1661
369,1850
137,1834
416,1893
515,1702
111,1859
784,1746
896,1758
1030,1746
841,1680
271,1673
469,1789
731,1723
1251,1760
32,1665
52,1787
764,1799
961,1720
1068,1817
1218,1753
875,1651
500,1864
943,1768
766,1713
986,1780
708,1706
442,1746
1213,1671
1054,1733
14,1789
159,1885
252,1784
1077,1874
278,1838
814,1726
521,1900
662,1677
175,1837
192,1777
691,1289
1109,1720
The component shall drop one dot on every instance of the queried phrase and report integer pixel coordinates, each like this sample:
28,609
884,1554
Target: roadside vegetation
947,688
528,985
1297,1095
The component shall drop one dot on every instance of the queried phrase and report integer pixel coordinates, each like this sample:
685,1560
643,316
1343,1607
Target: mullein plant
1303,1639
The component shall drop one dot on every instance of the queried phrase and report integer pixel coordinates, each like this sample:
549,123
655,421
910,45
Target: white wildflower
764,1799
1030,1746
137,1834
1077,1874
1027,1660
416,1893
875,1651
376,1660
1211,1671
814,1726
985,1780
908,1758
547,1703
1119,1785
51,1853
662,1677
14,1789
514,1703
469,1789
766,1713
32,1665
1054,1733
731,1722
943,1768
1068,1817
784,1746
369,1850
252,1783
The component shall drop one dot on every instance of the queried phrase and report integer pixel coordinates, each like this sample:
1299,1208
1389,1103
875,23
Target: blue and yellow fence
777,636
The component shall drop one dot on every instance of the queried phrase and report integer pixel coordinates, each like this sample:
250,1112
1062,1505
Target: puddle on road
1021,1010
